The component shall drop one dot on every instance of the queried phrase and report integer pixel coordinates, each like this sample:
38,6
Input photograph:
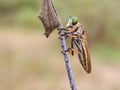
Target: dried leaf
49,17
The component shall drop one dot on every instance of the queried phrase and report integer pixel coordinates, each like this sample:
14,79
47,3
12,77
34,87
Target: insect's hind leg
78,50
72,47
70,50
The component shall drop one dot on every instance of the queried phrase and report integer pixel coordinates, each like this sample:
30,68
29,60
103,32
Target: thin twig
67,61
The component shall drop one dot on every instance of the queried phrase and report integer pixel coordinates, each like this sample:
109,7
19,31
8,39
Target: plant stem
67,62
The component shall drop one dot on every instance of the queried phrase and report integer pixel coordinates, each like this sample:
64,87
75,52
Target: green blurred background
29,61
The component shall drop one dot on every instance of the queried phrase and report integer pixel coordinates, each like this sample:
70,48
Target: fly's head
71,21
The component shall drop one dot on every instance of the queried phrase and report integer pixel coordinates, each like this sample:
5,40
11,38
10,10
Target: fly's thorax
80,28
77,25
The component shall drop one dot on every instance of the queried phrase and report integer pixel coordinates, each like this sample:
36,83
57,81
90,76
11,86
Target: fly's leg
70,50
72,36
72,47
78,50
65,33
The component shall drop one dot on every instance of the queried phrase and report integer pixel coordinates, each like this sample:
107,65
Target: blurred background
30,61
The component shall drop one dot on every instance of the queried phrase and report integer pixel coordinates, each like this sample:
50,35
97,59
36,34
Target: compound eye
68,19
74,20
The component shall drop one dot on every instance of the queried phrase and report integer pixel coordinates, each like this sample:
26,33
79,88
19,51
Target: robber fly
76,32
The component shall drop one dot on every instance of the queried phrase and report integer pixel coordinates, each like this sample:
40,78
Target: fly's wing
49,16
82,46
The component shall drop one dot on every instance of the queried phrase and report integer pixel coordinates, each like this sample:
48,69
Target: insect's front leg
69,34
71,50
63,29
65,33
